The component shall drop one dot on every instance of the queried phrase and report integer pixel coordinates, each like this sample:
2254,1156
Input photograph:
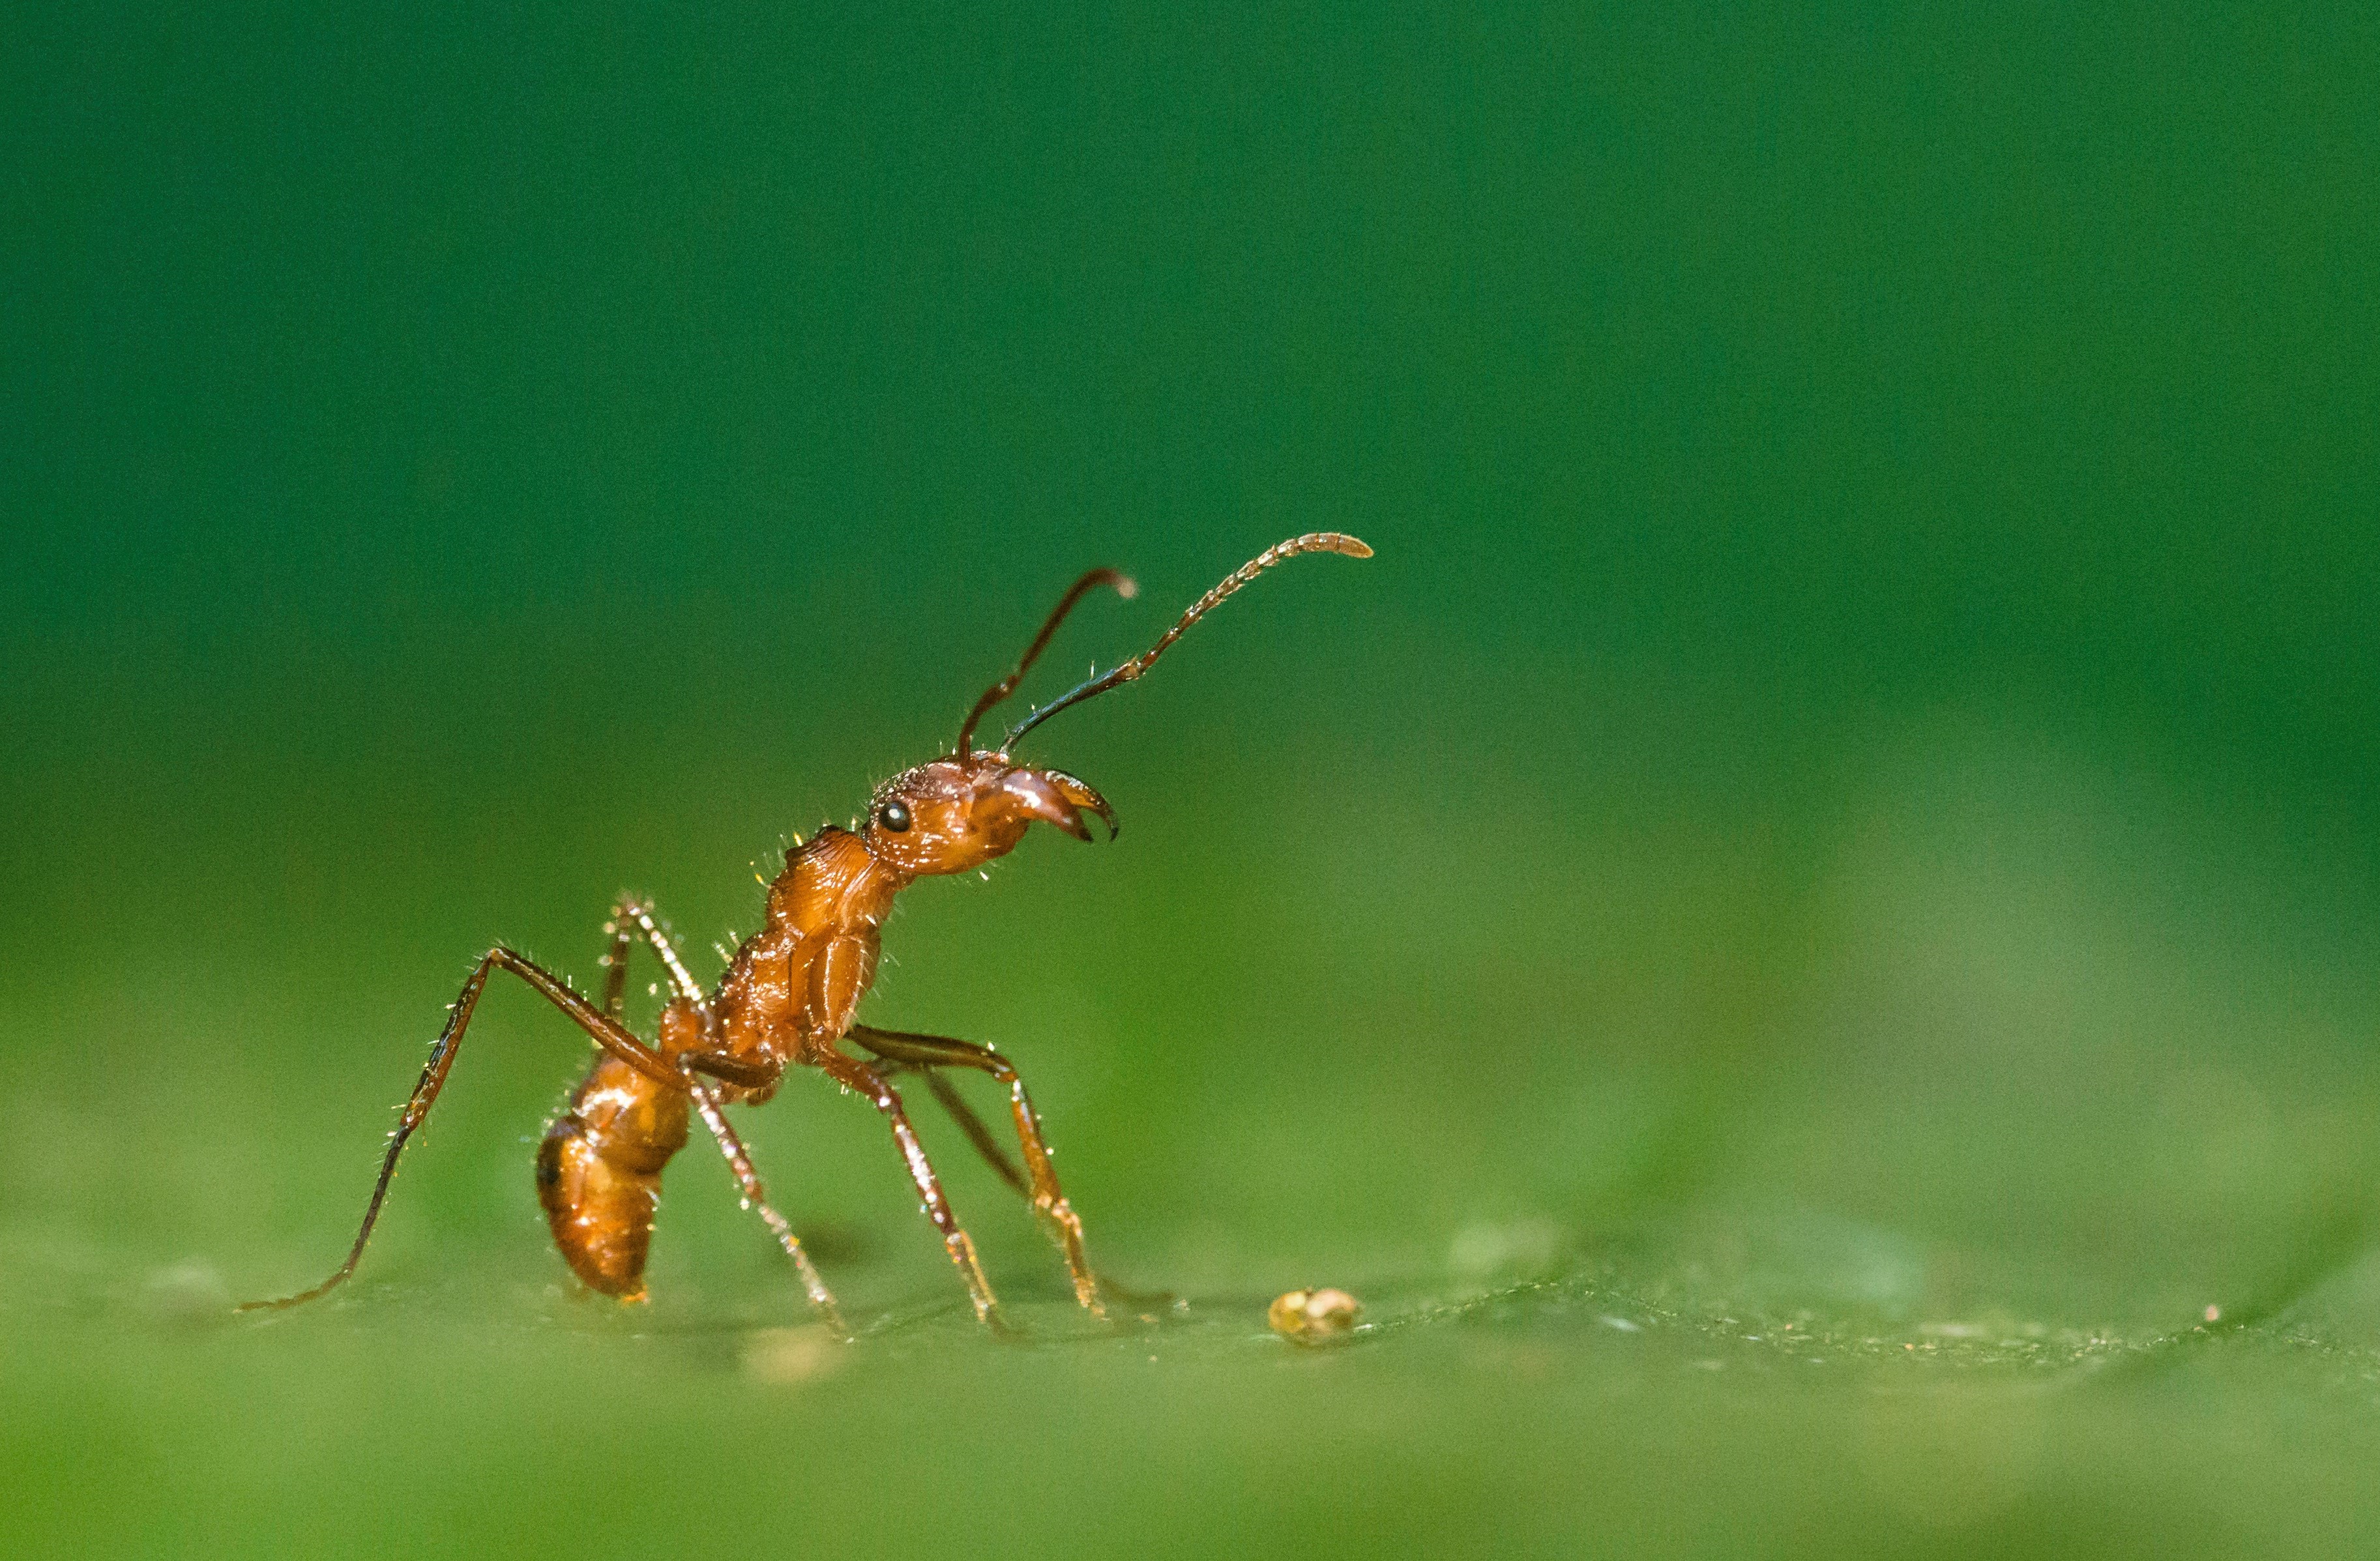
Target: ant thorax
824,911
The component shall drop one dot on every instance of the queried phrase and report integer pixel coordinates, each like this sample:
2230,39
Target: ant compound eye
893,816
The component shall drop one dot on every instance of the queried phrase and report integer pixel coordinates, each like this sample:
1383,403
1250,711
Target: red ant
789,996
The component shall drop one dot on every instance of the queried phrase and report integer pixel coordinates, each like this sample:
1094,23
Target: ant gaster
789,999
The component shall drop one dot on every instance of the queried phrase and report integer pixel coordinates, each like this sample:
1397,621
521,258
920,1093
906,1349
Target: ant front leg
630,918
606,1032
997,1159
929,1052
852,1074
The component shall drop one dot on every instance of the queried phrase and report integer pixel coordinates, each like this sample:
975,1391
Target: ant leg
756,1198
852,1074
630,917
969,1123
997,1158
606,1032
728,1068
1065,1225
615,964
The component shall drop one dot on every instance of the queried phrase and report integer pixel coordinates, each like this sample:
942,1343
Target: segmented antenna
1125,587
1312,542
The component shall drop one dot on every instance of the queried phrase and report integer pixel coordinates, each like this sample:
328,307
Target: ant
789,999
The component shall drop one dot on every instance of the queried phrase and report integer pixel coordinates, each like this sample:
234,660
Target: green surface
1808,921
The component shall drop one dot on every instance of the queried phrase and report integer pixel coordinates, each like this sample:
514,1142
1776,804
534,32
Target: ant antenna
1124,586
1312,542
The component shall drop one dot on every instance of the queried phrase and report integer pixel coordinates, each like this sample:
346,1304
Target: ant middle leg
631,918
929,1052
739,1161
852,1074
607,1033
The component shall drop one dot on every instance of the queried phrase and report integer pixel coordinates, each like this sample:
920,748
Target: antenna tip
1329,542
1126,586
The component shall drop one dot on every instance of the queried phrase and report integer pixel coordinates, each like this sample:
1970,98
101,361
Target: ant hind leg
606,1030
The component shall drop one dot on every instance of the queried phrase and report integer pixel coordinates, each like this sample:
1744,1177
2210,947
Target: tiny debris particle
1314,1316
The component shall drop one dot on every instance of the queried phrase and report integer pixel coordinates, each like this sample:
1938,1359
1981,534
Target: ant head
962,810
956,813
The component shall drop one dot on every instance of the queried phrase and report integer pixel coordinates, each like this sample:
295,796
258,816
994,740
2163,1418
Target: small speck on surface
1316,1316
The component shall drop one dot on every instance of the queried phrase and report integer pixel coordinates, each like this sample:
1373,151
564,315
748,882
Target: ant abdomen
598,1174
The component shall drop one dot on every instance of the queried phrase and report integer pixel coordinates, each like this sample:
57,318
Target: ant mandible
789,997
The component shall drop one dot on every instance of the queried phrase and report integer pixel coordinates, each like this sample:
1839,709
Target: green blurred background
1806,919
